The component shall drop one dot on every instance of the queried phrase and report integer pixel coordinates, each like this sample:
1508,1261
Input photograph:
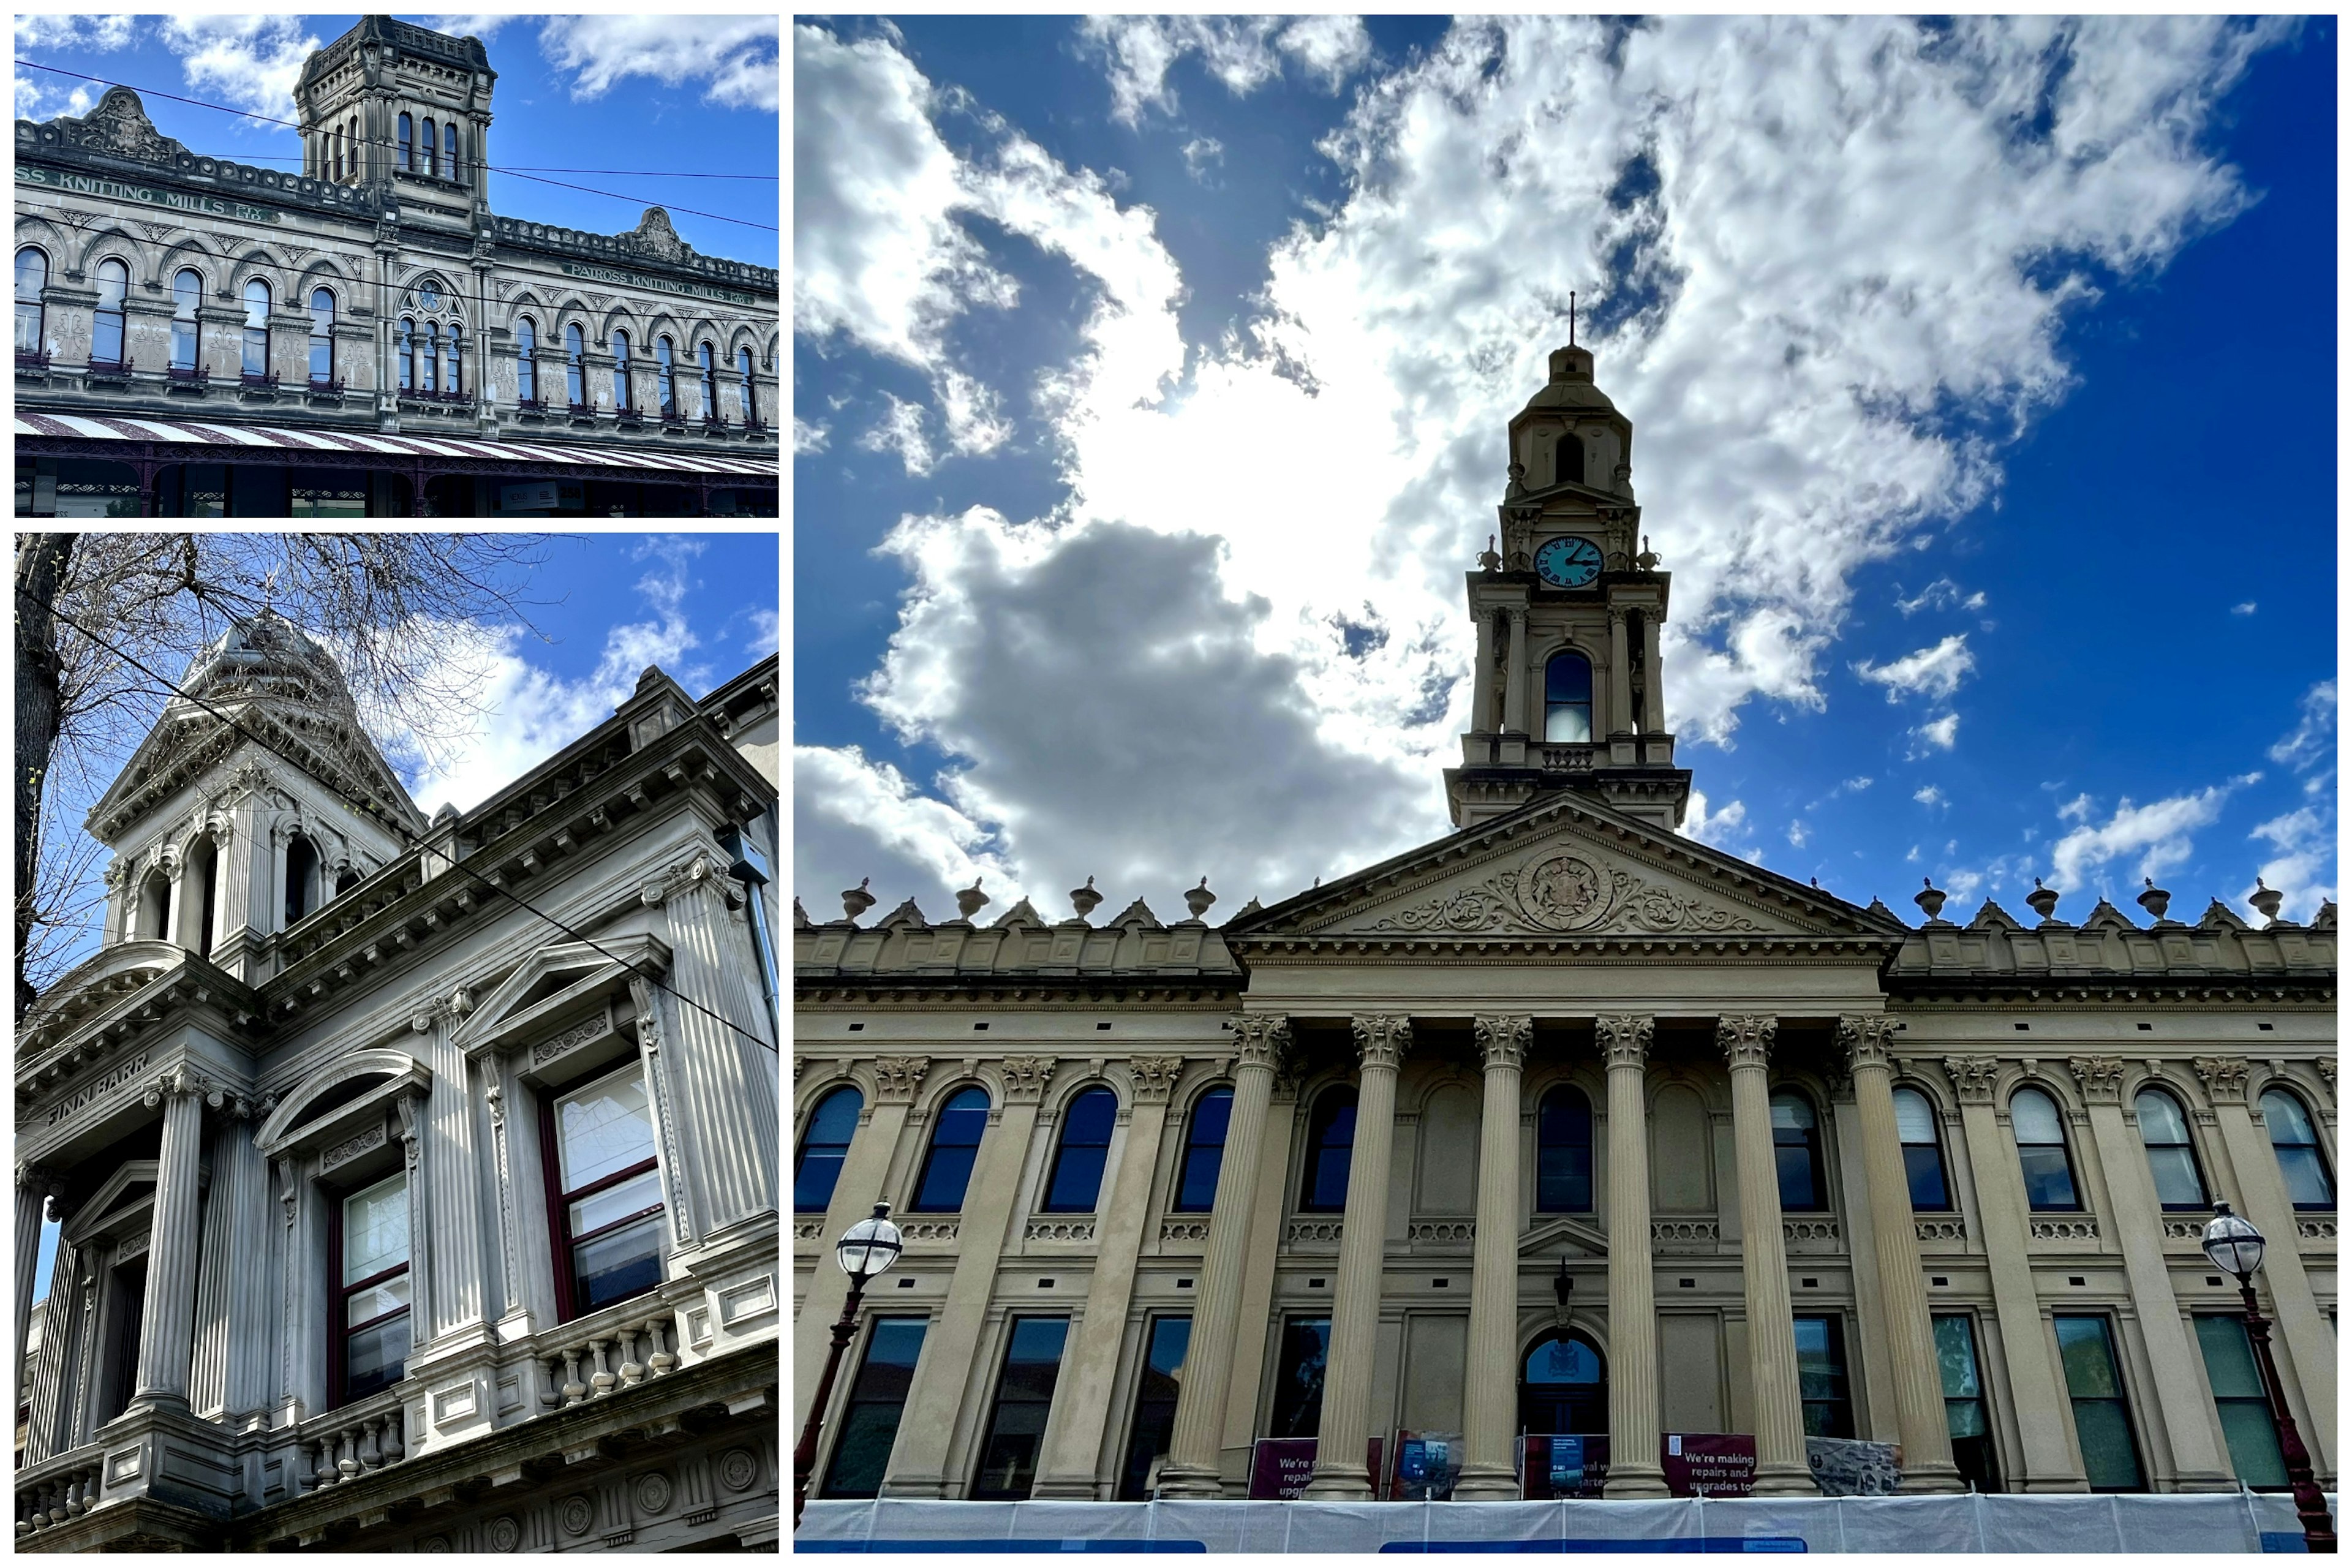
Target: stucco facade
1607,1085
324,1123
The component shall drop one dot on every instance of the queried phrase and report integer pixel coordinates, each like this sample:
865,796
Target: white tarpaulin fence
2214,1522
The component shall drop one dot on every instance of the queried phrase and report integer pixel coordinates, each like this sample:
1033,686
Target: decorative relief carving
119,127
2225,1077
1684,1232
1314,1232
576,1513
2326,1065
897,1079
1868,1039
1025,1078
1809,1230
505,1533
2081,1228
1441,1230
1261,1041
654,237
808,1230
1503,1041
1746,1038
2102,1078
351,1148
1940,1229
1624,1038
738,1469
1059,1231
940,1230
1155,1078
573,1039
1972,1077
1184,1231
1382,1039
2188,1230
1566,893
654,1492
2311,1227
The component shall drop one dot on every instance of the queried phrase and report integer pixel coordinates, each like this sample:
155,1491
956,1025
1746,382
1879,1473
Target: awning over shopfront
267,443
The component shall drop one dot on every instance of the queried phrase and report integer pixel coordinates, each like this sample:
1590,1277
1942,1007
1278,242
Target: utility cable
376,814
369,142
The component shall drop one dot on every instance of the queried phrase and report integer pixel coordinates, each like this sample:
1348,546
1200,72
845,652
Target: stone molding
1952,1229
897,1079
1972,1077
177,1083
2327,1067
2072,1227
1624,1038
1261,1041
1155,1078
1182,1231
1556,893
1503,1040
1026,1078
1700,1232
2101,1079
1382,1039
1746,1039
1059,1231
1868,1039
2224,1077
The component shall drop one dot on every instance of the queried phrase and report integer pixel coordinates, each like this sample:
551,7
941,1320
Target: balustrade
340,1446
50,1500
587,1368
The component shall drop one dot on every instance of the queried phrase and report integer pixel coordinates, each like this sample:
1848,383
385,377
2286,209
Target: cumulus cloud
973,412
2301,861
1708,826
247,62
855,818
484,28
1934,673
1936,735
1243,53
736,56
901,431
764,634
1929,794
1199,153
809,439
42,97
2312,738
2150,839
39,95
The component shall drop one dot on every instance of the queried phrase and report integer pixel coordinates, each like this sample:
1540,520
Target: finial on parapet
1083,899
1931,899
1487,559
857,900
971,901
1198,900
1648,560
2265,899
2155,900
2042,900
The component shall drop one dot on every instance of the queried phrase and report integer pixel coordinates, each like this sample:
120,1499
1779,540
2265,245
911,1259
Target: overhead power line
376,815
369,142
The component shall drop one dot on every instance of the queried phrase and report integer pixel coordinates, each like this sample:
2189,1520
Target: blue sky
703,606
1139,360
675,96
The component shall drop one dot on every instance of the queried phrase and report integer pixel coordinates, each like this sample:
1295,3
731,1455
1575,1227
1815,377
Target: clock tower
1567,693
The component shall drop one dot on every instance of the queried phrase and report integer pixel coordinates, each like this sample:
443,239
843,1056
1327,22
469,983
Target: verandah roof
328,443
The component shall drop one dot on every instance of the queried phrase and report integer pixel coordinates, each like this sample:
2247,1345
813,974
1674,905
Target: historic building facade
1564,1124
197,337
389,1215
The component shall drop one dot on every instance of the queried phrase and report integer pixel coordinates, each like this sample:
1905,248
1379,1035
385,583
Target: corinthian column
1489,1473
1192,1468
1919,1388
167,1338
1381,1041
1634,1467
1781,1467
34,1185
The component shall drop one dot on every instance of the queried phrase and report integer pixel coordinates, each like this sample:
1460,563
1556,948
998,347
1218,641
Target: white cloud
484,28
1243,53
38,97
70,30
855,818
1797,832
1929,794
808,439
2151,837
2247,608
2313,740
2302,866
737,56
1936,735
901,431
764,634
1856,786
974,413
1711,826
1934,673
2076,810
247,62
1199,153
1943,594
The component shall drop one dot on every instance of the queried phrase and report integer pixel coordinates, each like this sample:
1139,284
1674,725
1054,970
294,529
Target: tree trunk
41,561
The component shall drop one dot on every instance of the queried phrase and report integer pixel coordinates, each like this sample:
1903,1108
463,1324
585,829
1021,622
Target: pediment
1565,868
1574,1239
554,986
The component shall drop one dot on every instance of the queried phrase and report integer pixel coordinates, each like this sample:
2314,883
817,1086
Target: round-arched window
526,366
662,361
1567,698
751,401
823,1147
1563,1387
2041,1151
432,357
1204,1151
32,277
955,1143
2171,1158
187,294
710,383
408,355
2296,1144
106,322
1076,1179
573,389
620,372
452,361
407,143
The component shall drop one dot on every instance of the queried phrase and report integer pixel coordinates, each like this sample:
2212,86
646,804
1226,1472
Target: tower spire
1571,318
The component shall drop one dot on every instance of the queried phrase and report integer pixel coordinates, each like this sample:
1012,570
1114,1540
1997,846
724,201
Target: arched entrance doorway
1563,1386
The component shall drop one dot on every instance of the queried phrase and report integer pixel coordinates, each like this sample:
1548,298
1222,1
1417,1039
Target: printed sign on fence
1563,1467
1844,1467
1281,1467
1715,1464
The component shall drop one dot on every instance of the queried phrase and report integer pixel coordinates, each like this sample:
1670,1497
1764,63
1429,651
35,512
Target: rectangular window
372,1288
2238,1394
1299,1378
606,1205
2102,1420
1821,1377
1024,1394
1923,1168
1155,1405
126,1312
869,1421
1964,1405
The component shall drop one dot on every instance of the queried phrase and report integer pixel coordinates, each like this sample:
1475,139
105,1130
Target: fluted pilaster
35,1187
1781,1469
1633,1439
1490,1395
725,1077
451,1176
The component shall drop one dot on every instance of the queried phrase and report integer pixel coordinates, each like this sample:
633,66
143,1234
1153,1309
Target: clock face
1569,562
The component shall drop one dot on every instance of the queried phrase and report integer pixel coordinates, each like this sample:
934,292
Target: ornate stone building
197,337
389,1215
1563,1125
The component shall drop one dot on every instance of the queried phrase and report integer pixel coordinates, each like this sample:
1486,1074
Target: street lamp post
864,1251
2236,1249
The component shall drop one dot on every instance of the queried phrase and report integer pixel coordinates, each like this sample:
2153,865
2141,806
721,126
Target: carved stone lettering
113,1080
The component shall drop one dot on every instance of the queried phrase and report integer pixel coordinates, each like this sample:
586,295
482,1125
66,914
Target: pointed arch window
106,327
453,362
407,143
2296,1144
432,150
1330,1145
432,357
823,1147
751,400
526,365
1204,1151
1564,1152
620,372
322,336
575,390
187,295
1075,1180
1796,1151
2041,1151
710,383
32,277
662,374
407,353
1923,1156
256,328
2171,1159
955,1144
1567,698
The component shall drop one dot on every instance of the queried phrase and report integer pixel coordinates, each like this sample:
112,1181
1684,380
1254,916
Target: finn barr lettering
121,191
89,1092
640,280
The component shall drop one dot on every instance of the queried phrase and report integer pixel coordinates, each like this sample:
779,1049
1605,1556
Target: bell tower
1567,692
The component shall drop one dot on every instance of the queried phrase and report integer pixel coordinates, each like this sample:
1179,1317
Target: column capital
1262,1040
2326,1065
1972,1077
1516,616
1746,1038
2225,1077
1868,1039
1503,1039
1155,1078
178,1083
39,1181
2101,1079
1025,1078
1624,1038
1617,614
1382,1039
897,1078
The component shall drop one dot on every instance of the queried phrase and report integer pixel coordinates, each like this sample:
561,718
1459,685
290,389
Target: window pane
869,1425
825,1148
1299,1377
1568,678
373,1358
619,1264
1204,1151
2083,1350
366,1306
375,1229
1568,721
2159,1117
945,1174
1964,1417
1008,1463
1077,1180
1155,1405
1328,1151
2034,1117
2306,1178
2284,1115
1915,1120
2229,1359
2177,1186
1796,1178
605,1128
1956,1358
1923,1166
2048,1184
2104,1432
2247,1428
616,1202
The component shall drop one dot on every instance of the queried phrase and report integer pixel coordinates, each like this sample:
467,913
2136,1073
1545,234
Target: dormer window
1567,698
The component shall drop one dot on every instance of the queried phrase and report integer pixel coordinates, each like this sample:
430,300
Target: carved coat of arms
1564,893
656,238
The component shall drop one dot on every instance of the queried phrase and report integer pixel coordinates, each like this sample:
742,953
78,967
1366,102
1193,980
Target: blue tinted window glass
1204,1151
825,1148
1330,1143
1564,1152
955,1142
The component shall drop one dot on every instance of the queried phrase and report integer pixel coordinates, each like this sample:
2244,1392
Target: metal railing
110,369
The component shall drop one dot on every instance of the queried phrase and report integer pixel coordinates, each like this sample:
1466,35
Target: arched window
256,328
1076,1179
106,325
751,400
526,367
2296,1144
322,339
187,294
352,165
154,905
1923,1156
955,1143
823,1147
301,878
347,879
32,277
2041,1151
1562,1389
432,150
407,353
662,374
2170,1158
620,370
710,383
335,153
407,144
432,357
453,362
1796,1151
1564,1152
1567,698
1204,1151
1330,1143
1568,460
574,390
198,887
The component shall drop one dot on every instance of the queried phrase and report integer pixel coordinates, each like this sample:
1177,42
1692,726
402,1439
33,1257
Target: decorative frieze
1972,1077
1312,1232
366,1140
928,1231
1155,1078
1954,1229
1382,1039
2225,1077
1746,1038
1059,1231
897,1079
580,1034
1684,1233
2078,1227
1624,1038
2314,1227
1026,1078
1184,1232
1503,1041
1441,1230
1798,1230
